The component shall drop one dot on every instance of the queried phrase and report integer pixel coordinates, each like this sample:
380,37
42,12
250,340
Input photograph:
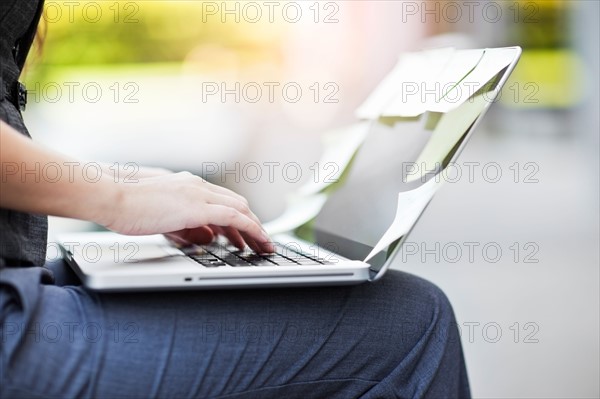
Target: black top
22,235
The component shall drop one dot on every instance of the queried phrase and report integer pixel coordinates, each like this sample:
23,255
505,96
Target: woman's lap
393,338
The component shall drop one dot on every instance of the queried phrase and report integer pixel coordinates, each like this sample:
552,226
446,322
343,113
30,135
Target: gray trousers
396,338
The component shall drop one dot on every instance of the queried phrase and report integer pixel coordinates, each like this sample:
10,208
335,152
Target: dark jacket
22,235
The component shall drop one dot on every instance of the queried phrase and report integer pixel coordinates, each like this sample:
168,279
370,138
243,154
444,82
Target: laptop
350,238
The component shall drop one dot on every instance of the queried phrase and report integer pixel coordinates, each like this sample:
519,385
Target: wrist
105,201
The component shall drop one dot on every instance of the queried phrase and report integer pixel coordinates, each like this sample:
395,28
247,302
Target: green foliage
105,33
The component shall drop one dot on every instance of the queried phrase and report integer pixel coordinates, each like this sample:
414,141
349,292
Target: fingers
231,212
221,196
241,205
200,235
224,191
253,234
234,236
175,239
213,187
256,247
218,230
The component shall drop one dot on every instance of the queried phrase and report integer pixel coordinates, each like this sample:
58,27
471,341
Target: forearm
131,172
37,180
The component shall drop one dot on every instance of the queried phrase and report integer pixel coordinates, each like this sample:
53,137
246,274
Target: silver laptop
336,246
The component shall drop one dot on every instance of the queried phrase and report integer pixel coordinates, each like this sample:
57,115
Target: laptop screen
363,205
360,210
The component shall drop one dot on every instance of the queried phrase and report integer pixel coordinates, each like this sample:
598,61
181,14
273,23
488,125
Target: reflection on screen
358,213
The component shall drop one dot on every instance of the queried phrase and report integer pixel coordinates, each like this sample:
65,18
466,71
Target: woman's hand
180,205
187,209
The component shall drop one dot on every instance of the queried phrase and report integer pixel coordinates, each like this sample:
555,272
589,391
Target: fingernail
268,245
265,237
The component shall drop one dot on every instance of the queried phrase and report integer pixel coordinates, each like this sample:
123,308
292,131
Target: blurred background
212,87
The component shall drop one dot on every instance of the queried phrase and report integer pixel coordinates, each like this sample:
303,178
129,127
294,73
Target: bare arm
129,171
35,179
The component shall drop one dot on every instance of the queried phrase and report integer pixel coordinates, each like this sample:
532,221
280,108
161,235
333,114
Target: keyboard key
204,260
245,264
214,264
233,260
308,262
280,260
287,263
220,255
262,262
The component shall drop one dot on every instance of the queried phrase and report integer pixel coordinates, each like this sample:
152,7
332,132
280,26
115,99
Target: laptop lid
399,155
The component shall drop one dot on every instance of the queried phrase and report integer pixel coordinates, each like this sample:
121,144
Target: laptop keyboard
217,255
